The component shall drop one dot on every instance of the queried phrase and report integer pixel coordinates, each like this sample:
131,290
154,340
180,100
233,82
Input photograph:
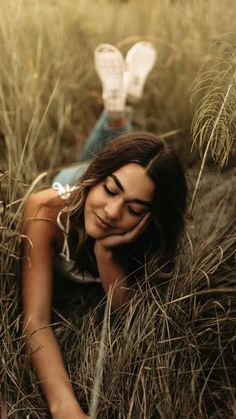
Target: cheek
129,222
88,207
93,198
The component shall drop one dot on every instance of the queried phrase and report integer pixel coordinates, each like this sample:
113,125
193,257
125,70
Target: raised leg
105,130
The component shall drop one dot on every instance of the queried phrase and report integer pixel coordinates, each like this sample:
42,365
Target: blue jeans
100,135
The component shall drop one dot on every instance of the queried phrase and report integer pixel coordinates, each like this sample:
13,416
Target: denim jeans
100,135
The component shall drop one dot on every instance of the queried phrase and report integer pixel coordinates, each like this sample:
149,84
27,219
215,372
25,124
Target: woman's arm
110,270
112,275
39,225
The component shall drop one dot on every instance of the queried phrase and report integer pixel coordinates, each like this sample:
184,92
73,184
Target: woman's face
118,203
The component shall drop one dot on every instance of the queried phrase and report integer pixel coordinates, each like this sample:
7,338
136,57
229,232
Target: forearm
49,367
112,276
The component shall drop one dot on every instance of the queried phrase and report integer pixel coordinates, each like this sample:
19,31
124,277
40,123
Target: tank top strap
68,264
65,252
64,192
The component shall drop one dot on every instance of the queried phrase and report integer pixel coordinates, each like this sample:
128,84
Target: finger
136,231
146,218
143,222
119,239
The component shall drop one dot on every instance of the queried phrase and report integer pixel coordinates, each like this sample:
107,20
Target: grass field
172,352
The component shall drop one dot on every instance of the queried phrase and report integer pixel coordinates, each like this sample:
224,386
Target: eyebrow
120,186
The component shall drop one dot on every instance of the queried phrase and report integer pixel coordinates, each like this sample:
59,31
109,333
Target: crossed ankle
116,120
123,79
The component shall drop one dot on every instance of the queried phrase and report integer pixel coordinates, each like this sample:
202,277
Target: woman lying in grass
125,211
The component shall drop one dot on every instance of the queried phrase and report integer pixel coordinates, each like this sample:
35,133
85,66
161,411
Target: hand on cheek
128,237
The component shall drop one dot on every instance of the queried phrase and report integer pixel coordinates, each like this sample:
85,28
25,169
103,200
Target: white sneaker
110,65
140,60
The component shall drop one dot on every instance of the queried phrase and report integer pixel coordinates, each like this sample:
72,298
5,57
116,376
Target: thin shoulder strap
65,230
64,192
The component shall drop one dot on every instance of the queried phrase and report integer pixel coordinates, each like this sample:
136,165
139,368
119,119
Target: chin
94,229
94,232
91,232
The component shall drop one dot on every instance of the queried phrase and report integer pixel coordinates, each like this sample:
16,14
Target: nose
113,210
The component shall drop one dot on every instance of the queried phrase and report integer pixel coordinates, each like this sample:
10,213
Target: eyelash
131,210
108,191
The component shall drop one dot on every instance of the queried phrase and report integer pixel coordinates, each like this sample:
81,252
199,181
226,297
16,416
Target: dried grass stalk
214,121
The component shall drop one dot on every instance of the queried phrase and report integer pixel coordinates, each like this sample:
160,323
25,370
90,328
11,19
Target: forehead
135,181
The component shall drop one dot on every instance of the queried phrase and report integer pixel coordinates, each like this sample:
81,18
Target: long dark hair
160,239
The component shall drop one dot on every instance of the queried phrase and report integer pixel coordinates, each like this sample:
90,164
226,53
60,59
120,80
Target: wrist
101,250
67,403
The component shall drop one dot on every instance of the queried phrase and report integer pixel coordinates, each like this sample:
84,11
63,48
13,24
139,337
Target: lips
102,223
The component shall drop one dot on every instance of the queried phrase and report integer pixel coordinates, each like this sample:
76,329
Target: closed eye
134,212
131,210
108,191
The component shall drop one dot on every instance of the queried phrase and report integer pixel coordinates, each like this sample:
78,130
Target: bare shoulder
40,215
45,203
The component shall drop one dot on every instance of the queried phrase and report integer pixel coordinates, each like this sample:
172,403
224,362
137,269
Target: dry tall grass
171,353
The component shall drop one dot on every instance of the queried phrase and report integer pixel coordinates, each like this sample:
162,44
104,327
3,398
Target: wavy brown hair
160,239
